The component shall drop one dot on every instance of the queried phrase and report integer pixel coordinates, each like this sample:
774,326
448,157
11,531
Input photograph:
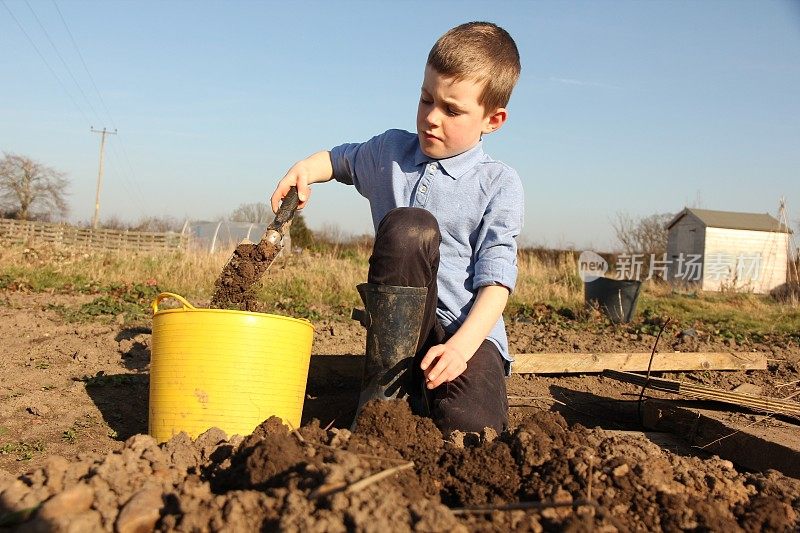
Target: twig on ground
649,366
787,384
296,433
531,399
327,489
765,418
361,484
703,447
792,395
374,478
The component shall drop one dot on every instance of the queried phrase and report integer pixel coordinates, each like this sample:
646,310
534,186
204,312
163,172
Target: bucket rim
187,306
303,321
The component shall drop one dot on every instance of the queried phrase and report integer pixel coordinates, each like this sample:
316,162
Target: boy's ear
494,120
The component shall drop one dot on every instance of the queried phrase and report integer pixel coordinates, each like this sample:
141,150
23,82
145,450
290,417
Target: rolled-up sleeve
354,163
496,257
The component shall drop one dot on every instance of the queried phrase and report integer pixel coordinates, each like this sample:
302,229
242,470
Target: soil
73,457
322,480
235,288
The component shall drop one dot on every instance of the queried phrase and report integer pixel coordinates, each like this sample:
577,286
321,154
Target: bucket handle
165,295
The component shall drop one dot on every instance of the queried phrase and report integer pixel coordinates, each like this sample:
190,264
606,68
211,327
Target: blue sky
636,107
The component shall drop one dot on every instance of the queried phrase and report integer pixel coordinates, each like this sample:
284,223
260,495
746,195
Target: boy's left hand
450,364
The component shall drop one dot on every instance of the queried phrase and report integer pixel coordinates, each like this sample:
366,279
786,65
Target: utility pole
103,132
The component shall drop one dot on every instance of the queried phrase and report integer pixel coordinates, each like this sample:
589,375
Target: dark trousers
406,254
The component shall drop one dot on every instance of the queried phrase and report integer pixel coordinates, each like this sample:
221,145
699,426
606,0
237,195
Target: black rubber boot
393,318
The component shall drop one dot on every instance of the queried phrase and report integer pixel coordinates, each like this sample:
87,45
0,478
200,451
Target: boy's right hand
314,169
294,177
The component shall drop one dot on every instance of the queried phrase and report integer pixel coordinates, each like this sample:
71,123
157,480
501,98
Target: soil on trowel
316,479
235,288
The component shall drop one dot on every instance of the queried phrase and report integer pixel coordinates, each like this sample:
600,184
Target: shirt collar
457,165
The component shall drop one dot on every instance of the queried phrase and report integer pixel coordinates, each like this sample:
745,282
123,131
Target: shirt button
423,188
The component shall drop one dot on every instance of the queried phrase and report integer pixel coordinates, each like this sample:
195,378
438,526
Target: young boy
446,218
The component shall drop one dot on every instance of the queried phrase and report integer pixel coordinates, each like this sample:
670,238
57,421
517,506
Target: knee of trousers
453,414
407,228
463,411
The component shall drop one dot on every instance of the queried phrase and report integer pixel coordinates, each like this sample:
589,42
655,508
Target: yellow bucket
226,369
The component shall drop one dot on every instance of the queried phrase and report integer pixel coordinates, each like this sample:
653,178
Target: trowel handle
286,210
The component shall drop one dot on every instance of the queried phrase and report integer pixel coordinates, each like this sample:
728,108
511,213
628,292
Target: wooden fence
24,231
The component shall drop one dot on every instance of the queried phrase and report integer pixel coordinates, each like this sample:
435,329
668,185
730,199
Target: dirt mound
395,473
265,459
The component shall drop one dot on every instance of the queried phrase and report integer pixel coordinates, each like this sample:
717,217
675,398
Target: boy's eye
424,100
452,112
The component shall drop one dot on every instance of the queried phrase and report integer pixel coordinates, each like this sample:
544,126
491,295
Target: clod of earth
272,479
235,287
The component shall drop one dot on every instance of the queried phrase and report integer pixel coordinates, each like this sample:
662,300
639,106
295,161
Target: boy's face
450,120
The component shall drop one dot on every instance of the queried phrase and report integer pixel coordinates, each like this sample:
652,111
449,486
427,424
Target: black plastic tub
615,297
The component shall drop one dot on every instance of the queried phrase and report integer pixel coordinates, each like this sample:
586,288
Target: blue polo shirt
477,201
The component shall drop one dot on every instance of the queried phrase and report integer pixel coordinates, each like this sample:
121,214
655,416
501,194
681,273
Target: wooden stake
589,363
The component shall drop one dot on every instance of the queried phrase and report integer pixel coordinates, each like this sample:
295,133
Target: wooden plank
586,363
759,403
755,448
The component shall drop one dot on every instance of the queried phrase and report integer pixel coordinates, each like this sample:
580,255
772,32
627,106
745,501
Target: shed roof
732,220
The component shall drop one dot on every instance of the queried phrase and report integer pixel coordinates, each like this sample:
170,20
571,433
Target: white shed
715,250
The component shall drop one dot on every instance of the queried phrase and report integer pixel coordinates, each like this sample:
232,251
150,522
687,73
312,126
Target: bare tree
31,190
158,224
113,222
332,234
149,223
642,235
257,213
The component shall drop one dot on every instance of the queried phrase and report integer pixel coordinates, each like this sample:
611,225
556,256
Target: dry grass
322,285
555,284
302,284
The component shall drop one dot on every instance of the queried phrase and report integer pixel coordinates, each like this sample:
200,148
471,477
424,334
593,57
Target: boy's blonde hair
483,52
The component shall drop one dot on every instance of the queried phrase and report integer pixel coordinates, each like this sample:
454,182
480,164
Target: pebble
621,470
74,500
141,512
37,410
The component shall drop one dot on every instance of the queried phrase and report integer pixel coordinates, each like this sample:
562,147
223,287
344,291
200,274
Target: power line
53,72
83,62
64,63
130,166
128,180
124,165
128,174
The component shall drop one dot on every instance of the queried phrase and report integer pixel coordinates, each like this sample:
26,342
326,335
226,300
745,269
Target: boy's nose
433,116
